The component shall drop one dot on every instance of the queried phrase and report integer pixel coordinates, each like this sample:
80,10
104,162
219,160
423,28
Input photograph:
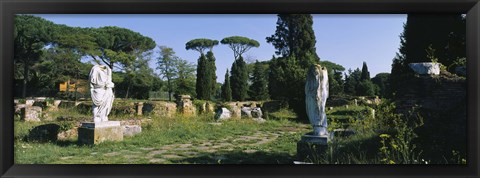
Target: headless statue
316,94
101,86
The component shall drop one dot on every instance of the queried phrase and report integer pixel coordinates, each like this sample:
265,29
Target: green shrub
400,148
283,114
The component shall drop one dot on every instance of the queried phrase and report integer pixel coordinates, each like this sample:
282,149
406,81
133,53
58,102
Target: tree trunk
169,90
128,89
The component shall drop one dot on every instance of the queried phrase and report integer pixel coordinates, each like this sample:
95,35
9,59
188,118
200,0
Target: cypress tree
206,70
295,37
212,72
443,32
365,74
294,40
226,89
203,80
239,79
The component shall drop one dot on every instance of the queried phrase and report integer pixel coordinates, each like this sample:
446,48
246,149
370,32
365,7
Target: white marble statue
101,90
316,94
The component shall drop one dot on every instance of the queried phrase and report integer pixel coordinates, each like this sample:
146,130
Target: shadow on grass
239,157
353,150
65,143
346,112
356,150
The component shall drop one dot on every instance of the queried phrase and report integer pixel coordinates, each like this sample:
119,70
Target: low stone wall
184,105
204,107
437,93
162,108
441,101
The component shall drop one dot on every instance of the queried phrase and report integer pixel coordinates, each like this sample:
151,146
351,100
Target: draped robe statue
316,94
101,90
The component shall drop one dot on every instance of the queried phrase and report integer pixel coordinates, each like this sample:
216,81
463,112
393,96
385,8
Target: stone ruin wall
435,93
161,108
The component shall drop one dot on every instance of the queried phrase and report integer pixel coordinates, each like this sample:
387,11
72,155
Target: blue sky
347,40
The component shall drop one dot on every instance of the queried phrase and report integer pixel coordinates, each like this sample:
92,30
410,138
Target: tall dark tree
239,79
295,37
294,40
206,70
382,80
226,89
203,81
258,89
212,72
365,73
445,33
358,83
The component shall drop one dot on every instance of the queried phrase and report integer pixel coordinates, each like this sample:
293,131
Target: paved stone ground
180,151
175,153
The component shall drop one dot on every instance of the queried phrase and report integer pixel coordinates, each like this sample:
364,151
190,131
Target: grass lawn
184,140
201,140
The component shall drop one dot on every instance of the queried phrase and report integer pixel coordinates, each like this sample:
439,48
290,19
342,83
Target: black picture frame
8,8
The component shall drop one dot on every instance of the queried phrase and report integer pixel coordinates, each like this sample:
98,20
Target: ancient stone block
131,130
246,112
29,102
222,114
31,113
94,133
257,112
56,103
209,107
312,148
425,68
185,105
139,108
160,108
19,107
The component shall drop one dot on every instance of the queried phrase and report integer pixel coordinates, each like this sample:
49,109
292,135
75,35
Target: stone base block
312,149
31,113
131,130
91,133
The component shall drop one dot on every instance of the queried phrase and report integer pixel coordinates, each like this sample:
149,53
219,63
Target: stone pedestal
131,130
139,108
31,113
91,133
312,148
185,105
